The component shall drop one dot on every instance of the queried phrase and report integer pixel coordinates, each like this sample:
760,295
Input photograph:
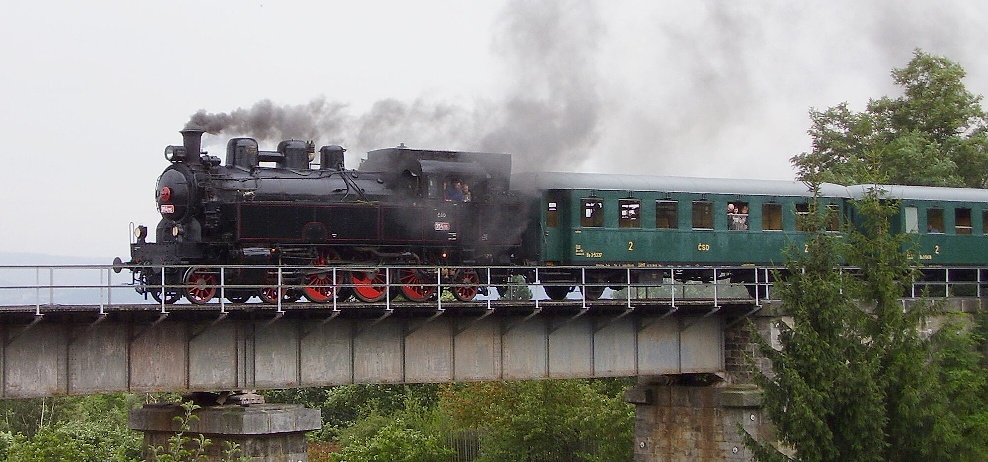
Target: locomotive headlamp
141,232
176,230
174,153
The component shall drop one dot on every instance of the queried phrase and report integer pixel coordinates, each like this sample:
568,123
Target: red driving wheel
369,286
417,284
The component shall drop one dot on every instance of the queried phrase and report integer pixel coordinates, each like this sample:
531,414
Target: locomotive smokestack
192,140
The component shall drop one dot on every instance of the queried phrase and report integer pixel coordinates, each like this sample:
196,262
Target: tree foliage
545,420
934,134
854,379
87,428
823,393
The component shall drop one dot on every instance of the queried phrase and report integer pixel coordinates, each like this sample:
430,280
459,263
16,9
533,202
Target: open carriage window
962,221
737,216
934,221
802,214
630,213
593,213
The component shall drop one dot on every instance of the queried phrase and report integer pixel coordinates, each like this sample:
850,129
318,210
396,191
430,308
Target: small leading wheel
417,284
369,286
152,283
466,284
171,295
200,285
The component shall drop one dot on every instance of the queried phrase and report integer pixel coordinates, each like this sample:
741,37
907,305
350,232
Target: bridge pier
698,417
688,422
263,432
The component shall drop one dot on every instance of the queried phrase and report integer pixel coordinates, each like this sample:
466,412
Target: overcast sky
93,91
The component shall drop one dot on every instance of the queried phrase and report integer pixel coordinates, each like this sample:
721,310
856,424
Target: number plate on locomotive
167,208
442,226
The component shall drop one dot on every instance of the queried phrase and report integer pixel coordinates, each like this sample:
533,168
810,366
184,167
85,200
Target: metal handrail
55,285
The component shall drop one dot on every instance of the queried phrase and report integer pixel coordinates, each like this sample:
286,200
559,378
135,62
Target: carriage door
556,224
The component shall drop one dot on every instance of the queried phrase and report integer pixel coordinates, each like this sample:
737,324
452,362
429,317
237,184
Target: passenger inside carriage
737,216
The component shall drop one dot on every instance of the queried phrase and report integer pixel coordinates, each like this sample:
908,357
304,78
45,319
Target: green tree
69,428
516,290
934,134
545,420
77,441
396,442
823,392
854,379
345,405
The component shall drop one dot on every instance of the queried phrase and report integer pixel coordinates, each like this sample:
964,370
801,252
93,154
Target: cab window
435,189
630,213
593,213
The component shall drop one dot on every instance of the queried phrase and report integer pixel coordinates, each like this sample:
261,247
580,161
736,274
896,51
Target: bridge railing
101,287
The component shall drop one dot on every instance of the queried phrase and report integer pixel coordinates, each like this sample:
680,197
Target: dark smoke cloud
551,114
547,117
704,88
266,121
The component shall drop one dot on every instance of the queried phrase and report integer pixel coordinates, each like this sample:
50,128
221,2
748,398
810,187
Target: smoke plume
547,117
697,88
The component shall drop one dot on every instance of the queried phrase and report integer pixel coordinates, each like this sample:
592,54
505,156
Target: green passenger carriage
605,229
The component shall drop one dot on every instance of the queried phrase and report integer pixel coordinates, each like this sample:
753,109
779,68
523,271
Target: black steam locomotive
283,225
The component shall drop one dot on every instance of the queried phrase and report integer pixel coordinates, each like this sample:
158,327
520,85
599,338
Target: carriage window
737,216
984,222
934,221
666,216
703,215
912,219
593,213
630,213
772,217
552,215
802,211
962,221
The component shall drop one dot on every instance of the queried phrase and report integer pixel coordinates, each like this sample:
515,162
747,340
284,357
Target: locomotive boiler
280,220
